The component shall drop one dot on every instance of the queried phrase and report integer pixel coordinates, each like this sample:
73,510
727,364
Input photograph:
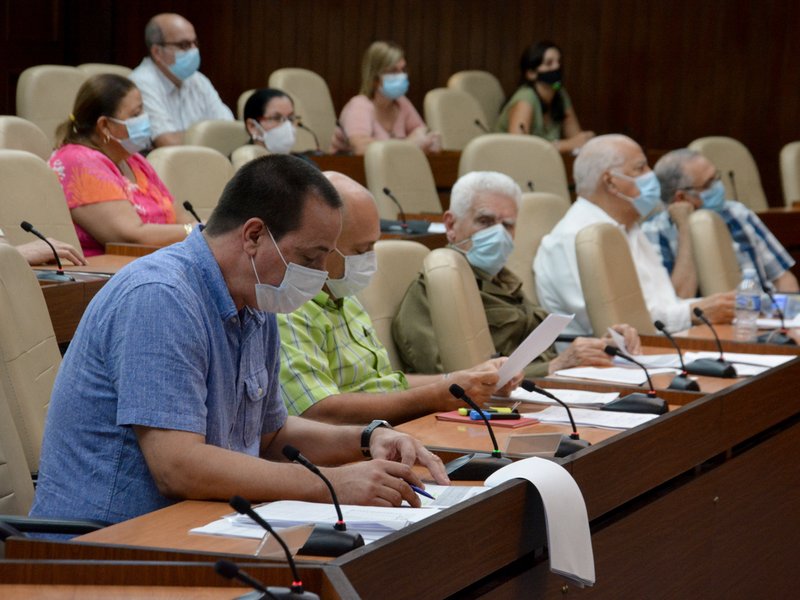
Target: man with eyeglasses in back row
689,181
175,94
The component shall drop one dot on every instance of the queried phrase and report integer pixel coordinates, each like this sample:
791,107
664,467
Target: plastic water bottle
748,307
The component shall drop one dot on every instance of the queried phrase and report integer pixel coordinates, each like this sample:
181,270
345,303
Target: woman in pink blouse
381,111
113,193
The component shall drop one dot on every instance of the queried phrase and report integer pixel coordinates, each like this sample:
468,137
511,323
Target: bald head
599,155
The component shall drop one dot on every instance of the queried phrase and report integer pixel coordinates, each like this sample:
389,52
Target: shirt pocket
256,386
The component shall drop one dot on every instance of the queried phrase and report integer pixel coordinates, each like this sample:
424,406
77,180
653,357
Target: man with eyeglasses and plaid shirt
175,94
689,181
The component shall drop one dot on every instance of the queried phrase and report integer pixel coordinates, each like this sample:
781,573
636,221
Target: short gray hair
468,186
596,157
153,36
671,173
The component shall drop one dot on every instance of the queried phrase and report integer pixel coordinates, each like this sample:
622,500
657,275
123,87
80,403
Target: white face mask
358,272
280,139
300,284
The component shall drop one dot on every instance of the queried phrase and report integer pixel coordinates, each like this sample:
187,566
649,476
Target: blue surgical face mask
714,197
490,250
394,85
186,63
649,197
138,133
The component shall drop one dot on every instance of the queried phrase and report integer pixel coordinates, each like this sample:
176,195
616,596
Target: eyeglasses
280,119
708,185
183,45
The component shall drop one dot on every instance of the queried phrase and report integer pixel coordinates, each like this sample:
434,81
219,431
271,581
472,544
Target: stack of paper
582,398
594,418
633,376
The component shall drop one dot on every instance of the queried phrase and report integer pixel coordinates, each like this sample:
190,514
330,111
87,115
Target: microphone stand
569,443
712,367
636,402
318,151
190,209
776,336
680,381
476,466
59,274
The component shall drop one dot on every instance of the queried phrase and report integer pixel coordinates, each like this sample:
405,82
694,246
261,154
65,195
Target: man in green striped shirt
333,367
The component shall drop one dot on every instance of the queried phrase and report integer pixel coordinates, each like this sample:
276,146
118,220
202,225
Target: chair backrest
193,173
714,256
46,95
243,98
29,355
244,154
453,113
402,167
731,156
399,263
538,214
790,173
17,133
222,136
92,69
312,102
609,280
529,160
31,192
485,88
16,487
457,313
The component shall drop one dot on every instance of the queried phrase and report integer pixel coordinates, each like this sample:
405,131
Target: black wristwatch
367,434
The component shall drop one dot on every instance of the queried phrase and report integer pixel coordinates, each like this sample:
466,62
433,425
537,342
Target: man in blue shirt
169,389
690,181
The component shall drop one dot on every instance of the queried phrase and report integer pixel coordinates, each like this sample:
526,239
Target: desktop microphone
413,226
231,570
243,507
481,125
712,367
190,209
732,178
530,185
59,275
569,443
316,139
681,381
345,137
776,336
636,402
402,213
476,466
522,129
325,540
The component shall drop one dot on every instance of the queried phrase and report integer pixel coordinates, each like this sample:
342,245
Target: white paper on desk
606,419
538,340
652,361
584,398
746,364
568,538
436,228
613,374
764,323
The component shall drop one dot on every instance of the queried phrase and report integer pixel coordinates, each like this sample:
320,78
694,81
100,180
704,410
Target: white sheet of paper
538,340
606,419
613,374
652,361
619,341
436,228
764,323
582,398
569,540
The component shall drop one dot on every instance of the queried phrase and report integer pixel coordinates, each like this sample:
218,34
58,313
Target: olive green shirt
549,129
510,315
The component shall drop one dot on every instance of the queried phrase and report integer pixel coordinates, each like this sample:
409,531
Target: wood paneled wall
664,72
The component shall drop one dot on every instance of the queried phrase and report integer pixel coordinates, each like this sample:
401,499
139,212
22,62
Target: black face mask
549,77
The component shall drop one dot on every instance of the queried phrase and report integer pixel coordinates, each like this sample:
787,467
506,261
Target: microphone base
475,467
711,367
684,383
638,403
277,592
326,540
776,337
53,276
568,446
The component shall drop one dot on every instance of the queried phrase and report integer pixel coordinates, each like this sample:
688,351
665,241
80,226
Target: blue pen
422,492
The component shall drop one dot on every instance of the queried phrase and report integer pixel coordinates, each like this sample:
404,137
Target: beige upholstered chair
459,320
244,154
790,173
732,157
243,98
531,161
193,173
485,88
312,103
20,134
16,488
46,94
455,115
402,167
399,263
29,355
222,136
609,280
714,254
92,69
31,192
538,214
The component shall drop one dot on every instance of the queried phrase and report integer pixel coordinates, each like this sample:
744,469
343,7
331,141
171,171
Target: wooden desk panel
67,301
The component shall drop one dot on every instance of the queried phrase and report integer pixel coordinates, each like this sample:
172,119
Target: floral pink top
88,176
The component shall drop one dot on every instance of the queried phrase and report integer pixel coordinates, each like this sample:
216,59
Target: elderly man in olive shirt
480,224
